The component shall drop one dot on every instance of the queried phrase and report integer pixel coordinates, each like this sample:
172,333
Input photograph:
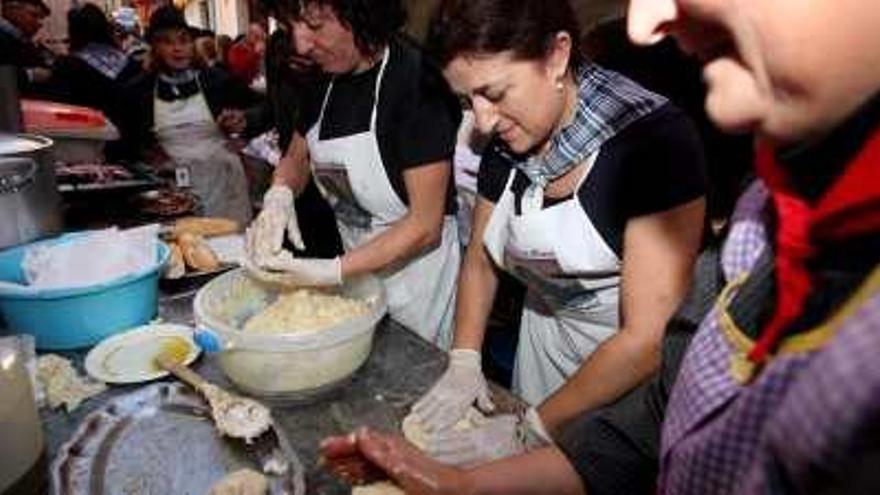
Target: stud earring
560,85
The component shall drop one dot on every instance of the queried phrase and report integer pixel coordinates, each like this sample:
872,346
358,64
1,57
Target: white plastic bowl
285,366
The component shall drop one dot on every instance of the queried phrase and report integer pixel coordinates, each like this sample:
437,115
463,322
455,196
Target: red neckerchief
849,208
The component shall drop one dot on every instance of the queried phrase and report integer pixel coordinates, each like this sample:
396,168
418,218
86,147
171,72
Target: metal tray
119,186
142,179
159,440
193,279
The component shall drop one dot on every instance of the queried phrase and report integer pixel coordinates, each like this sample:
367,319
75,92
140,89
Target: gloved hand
266,234
495,438
284,269
449,399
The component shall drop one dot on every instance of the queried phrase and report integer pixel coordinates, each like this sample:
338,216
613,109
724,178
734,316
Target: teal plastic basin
62,319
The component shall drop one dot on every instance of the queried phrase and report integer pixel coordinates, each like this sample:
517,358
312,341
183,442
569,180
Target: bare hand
367,451
232,121
40,74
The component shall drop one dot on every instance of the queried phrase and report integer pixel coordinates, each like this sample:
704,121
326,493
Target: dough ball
241,482
381,488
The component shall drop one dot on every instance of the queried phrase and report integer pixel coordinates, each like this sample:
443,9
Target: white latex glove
449,399
284,269
498,437
534,433
265,236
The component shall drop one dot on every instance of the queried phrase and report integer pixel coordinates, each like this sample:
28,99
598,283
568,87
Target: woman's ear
559,55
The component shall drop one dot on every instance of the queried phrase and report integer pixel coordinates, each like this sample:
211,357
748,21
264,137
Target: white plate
128,357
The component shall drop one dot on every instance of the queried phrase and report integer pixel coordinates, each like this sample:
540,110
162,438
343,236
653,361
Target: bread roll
186,239
206,226
176,267
197,254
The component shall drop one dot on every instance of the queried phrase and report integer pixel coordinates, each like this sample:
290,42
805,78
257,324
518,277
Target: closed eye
495,96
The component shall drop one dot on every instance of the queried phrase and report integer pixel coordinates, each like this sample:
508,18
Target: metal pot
10,105
29,202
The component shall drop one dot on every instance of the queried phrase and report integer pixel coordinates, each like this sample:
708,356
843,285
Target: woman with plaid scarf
591,193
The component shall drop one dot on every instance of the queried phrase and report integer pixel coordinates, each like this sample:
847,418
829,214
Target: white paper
228,248
95,258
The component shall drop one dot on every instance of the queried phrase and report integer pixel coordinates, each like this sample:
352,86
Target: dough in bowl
303,311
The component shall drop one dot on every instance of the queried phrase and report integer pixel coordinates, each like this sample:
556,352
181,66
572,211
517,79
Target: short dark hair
40,4
88,24
166,18
203,33
525,27
372,22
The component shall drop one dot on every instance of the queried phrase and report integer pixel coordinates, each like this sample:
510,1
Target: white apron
572,278
187,132
350,174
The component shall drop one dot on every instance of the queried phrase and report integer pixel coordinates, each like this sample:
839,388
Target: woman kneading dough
591,193
379,138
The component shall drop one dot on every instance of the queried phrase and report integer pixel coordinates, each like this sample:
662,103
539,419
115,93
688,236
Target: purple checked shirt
802,419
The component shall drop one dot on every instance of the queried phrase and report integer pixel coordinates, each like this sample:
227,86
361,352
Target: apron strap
374,113
324,104
385,57
495,234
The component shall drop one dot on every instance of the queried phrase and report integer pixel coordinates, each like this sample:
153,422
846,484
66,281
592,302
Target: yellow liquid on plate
174,349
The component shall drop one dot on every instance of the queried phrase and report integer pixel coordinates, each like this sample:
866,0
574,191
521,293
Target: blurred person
245,57
191,113
777,390
206,48
127,30
96,71
224,43
20,22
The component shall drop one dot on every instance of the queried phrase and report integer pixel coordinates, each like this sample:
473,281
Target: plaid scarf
177,85
607,104
109,61
10,29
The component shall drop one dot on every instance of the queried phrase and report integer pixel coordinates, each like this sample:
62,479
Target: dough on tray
241,482
62,384
380,488
305,310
